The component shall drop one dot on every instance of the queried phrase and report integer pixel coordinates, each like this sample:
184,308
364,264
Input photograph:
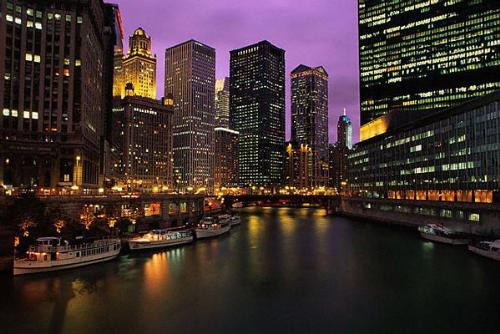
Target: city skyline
331,41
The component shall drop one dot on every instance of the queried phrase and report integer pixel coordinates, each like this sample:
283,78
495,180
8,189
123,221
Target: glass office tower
426,55
257,111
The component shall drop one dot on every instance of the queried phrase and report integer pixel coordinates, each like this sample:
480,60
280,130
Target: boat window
77,254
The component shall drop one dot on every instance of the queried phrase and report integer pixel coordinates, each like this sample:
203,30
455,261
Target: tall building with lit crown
298,165
52,93
344,131
226,158
190,79
139,65
339,154
142,141
222,102
425,55
257,111
310,116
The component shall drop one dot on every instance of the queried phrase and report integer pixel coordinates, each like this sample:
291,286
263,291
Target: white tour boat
489,249
51,254
161,239
235,220
208,227
439,233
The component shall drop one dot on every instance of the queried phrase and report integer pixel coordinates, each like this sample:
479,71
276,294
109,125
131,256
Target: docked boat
52,253
209,227
161,239
439,233
235,220
489,249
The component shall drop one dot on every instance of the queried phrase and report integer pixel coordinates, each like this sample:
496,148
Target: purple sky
312,32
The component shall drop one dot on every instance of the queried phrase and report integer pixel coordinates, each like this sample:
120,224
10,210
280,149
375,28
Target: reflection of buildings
190,79
339,152
142,138
52,93
427,55
139,66
451,156
222,103
226,158
298,165
310,117
257,111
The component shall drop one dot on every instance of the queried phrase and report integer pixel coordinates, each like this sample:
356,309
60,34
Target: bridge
328,202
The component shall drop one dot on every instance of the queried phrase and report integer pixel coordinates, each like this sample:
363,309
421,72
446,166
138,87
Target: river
281,271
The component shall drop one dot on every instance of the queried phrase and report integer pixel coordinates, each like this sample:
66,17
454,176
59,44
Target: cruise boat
52,253
161,239
235,220
439,233
208,227
489,249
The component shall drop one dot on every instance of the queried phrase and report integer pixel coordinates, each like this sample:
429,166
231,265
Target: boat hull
449,241
23,267
136,245
208,233
485,253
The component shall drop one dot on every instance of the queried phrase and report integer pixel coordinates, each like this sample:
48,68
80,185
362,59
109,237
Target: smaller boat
489,249
209,227
439,233
53,253
161,239
235,220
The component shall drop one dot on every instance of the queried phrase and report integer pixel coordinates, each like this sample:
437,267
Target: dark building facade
190,79
226,158
298,165
449,156
113,41
52,93
142,142
310,116
426,55
257,111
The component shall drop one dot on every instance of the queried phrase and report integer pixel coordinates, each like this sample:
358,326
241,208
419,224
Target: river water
281,271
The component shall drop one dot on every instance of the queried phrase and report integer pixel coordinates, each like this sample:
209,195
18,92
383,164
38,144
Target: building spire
344,111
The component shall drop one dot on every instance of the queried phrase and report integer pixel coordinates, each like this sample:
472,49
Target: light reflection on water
281,270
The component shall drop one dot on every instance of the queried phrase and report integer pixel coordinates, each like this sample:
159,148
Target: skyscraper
340,152
113,39
222,103
139,65
427,55
142,140
190,78
344,131
52,93
257,111
226,158
310,116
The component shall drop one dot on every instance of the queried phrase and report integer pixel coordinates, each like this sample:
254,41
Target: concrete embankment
475,218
